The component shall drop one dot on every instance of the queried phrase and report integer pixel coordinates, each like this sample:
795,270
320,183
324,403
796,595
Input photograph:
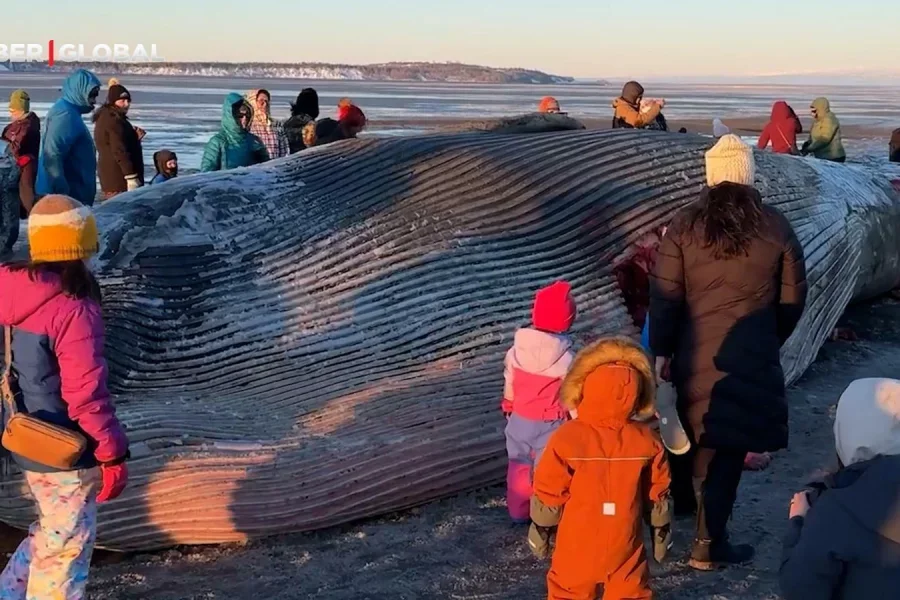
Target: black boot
708,554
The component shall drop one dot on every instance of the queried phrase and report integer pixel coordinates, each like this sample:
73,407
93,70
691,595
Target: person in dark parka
727,291
843,540
894,148
304,112
23,136
120,155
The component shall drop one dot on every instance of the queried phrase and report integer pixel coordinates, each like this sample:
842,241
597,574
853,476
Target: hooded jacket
627,109
723,321
232,146
534,370
68,163
781,130
825,136
57,356
848,545
605,468
119,150
160,158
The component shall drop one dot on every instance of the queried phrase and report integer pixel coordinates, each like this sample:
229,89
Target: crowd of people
598,441
65,158
68,159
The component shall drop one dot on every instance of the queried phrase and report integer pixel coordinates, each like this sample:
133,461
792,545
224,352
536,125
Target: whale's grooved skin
320,339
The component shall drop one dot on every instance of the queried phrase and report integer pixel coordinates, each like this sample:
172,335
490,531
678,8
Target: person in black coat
120,156
843,540
894,147
304,112
727,291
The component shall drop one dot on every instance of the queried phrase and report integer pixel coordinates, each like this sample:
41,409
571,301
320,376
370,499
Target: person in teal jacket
233,145
825,136
68,162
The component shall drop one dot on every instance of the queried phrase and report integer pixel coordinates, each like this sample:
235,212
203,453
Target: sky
581,38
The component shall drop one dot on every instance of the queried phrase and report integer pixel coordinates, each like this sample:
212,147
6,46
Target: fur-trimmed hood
611,351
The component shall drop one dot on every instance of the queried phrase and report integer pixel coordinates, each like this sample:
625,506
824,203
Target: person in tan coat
627,108
603,472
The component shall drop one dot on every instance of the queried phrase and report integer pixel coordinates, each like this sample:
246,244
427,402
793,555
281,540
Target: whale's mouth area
632,269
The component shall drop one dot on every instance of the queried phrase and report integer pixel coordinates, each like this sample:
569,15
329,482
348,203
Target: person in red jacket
50,312
23,135
781,130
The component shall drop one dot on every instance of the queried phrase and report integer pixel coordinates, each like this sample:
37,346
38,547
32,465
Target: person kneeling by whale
599,475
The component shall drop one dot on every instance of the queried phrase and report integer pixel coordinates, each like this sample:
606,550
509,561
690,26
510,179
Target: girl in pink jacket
51,307
535,367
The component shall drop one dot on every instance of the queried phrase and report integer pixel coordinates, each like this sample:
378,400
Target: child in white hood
843,540
535,367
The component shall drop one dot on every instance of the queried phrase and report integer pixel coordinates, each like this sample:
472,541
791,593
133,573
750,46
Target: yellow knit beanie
20,100
730,160
61,229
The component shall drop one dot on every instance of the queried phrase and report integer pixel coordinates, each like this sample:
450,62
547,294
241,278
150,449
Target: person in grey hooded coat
843,540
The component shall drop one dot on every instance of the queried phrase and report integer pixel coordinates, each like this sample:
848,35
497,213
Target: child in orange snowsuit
604,471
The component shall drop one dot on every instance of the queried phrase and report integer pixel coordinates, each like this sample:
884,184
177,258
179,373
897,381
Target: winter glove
506,406
140,133
804,150
544,519
115,478
539,540
661,527
22,161
132,182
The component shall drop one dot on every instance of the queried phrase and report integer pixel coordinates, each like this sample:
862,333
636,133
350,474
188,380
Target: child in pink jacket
535,367
50,309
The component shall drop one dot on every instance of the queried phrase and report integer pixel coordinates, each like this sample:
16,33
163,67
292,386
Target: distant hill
411,71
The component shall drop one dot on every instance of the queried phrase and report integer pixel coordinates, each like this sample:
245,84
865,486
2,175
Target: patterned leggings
52,563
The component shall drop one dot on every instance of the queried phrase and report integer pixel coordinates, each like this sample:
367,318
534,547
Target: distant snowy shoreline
413,72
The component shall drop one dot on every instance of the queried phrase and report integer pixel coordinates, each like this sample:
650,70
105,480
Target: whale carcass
320,339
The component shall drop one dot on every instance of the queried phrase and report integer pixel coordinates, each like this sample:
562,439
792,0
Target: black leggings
717,475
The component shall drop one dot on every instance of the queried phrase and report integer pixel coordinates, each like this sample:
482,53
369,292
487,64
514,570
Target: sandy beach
464,548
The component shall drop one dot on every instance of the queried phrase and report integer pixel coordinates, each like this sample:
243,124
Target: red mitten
23,160
115,478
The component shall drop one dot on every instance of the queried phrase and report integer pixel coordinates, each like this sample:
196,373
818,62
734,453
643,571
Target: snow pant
27,178
55,558
717,474
630,581
525,442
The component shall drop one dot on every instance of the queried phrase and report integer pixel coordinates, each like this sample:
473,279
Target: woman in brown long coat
728,289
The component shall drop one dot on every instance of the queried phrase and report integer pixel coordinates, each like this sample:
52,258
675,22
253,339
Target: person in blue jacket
233,145
68,161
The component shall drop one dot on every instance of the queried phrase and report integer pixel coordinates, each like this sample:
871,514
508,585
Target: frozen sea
181,113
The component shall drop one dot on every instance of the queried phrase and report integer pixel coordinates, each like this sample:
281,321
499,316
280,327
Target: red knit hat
548,104
353,116
554,309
